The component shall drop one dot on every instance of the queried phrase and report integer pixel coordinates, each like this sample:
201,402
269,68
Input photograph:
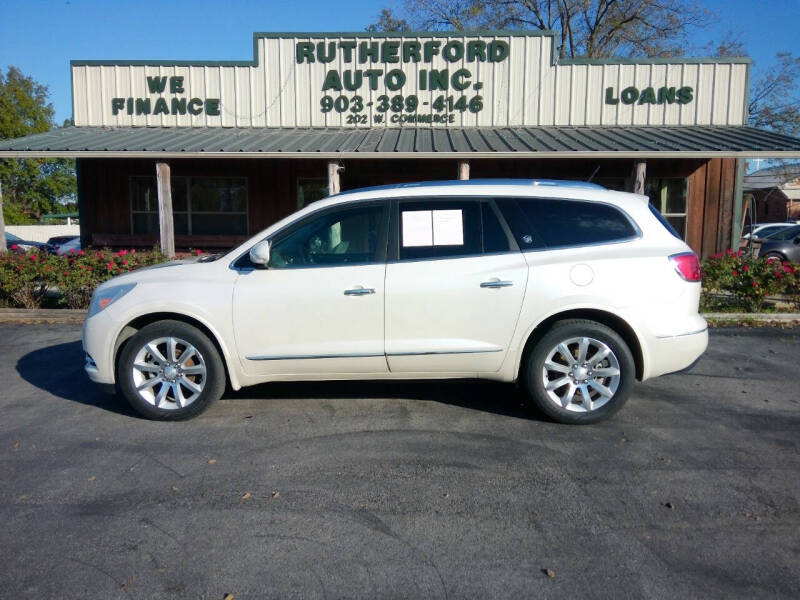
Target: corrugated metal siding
549,141
526,89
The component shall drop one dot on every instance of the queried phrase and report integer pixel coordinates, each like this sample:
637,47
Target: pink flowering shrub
732,277
26,278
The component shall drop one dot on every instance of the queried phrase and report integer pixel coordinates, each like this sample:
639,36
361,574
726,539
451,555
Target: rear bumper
676,353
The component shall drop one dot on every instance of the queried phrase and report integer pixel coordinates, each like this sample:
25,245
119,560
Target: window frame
242,262
301,180
538,242
188,212
394,227
663,189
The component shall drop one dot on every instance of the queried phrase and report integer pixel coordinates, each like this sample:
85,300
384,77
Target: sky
40,37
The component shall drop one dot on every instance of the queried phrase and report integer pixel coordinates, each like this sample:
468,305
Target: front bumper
98,338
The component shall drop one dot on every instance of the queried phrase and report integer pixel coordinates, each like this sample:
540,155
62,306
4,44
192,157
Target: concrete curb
753,316
66,315
42,315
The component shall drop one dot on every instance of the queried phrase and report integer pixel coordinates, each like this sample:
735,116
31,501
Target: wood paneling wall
272,185
711,202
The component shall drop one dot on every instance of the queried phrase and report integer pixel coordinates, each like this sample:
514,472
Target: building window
311,190
200,205
669,195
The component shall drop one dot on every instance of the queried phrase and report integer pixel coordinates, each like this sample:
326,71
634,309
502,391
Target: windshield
785,234
10,237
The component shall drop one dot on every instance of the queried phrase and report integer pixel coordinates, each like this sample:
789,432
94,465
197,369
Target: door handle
359,291
496,283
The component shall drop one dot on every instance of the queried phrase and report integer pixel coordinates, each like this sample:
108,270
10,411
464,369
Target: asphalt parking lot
409,490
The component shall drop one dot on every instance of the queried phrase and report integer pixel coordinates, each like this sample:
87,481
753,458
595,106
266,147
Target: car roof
534,188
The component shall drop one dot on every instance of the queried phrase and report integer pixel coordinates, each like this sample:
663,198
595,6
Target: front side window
200,205
344,236
443,228
558,223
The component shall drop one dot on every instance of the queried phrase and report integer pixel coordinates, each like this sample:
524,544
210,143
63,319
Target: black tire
211,381
774,256
535,379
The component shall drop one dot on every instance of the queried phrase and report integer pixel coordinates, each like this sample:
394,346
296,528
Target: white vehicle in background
764,230
570,290
71,245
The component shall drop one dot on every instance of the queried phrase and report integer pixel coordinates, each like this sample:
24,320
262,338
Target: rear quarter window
554,223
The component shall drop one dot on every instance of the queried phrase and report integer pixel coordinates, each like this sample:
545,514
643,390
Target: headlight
107,296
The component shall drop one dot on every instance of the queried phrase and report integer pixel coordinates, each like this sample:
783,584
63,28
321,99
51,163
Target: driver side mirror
797,240
259,254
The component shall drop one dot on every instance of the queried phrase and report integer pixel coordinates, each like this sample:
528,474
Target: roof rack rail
468,182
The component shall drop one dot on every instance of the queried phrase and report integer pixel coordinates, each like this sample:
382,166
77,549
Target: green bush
732,279
26,278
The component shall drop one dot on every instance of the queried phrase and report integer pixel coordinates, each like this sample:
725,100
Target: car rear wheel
774,257
579,372
170,371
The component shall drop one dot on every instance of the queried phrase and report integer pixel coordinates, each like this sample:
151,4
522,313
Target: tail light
687,265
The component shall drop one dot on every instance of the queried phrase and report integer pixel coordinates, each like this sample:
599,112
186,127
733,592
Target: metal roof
469,142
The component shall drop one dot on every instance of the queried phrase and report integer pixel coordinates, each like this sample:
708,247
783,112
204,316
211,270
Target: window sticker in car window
448,228
417,228
433,228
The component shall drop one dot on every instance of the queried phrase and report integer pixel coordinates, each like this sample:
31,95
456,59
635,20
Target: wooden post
463,169
638,176
334,185
2,223
166,227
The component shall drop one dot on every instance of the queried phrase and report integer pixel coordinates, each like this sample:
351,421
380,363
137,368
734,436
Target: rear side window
443,228
554,223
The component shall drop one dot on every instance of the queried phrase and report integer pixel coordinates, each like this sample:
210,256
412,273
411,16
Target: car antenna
593,174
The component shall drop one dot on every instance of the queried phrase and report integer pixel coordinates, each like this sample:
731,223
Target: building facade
242,144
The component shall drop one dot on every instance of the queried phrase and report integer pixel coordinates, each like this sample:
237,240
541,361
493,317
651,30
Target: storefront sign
429,80
160,106
649,95
455,81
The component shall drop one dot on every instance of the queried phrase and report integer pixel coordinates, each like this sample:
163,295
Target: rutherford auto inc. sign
408,80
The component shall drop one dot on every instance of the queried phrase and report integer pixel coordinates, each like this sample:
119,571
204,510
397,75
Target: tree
586,28
774,97
36,186
388,22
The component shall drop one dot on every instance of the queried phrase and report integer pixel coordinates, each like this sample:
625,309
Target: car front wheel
579,372
170,371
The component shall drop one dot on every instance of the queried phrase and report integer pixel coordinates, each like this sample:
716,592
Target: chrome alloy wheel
581,374
169,373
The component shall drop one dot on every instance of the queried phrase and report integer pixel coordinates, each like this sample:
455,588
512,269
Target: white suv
569,289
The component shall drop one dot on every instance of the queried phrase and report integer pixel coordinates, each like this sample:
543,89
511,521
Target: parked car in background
569,289
782,245
14,242
59,239
763,230
72,244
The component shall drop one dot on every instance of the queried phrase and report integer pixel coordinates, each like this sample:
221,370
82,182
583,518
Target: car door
454,287
318,309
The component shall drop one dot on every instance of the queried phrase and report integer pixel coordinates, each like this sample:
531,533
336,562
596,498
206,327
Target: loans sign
343,89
